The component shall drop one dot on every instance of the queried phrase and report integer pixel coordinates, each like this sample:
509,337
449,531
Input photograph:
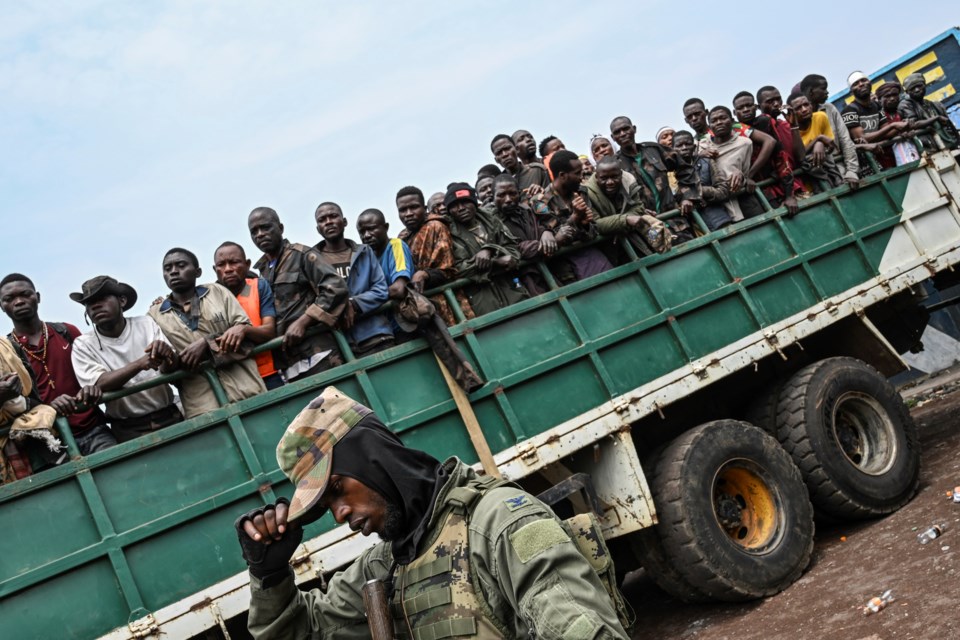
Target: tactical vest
438,596
434,595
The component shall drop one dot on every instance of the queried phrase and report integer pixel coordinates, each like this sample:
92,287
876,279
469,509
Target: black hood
407,478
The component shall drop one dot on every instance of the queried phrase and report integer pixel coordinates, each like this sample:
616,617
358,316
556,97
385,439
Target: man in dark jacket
360,267
922,113
533,241
306,292
649,163
485,251
620,212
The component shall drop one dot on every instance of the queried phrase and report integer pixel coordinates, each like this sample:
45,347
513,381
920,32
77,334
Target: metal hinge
144,627
774,341
528,452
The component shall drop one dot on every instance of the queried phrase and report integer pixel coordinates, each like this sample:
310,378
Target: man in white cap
863,117
461,554
866,122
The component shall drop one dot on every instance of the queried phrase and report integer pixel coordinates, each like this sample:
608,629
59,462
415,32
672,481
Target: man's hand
295,332
64,405
505,262
901,125
266,539
419,281
634,221
819,154
853,182
736,180
749,185
192,357
581,209
231,339
548,243
531,191
564,235
790,203
159,352
10,387
90,395
943,120
483,260
686,207
710,152
349,315
398,290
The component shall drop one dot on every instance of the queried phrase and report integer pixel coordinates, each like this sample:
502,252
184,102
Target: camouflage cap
305,452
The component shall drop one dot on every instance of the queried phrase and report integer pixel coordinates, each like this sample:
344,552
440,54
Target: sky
131,128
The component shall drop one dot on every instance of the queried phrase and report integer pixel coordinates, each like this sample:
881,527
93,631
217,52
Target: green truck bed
139,539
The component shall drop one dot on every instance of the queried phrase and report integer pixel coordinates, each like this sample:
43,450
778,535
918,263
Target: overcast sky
128,128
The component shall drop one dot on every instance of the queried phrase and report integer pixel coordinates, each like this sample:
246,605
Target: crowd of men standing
540,216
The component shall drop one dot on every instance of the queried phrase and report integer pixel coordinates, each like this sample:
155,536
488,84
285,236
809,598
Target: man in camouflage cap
445,531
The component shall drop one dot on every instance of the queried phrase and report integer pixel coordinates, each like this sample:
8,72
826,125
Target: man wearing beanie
926,114
485,250
460,554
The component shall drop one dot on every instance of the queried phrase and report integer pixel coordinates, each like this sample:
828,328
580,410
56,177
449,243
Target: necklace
42,358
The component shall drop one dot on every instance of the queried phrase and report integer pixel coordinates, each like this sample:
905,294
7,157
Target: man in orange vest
255,296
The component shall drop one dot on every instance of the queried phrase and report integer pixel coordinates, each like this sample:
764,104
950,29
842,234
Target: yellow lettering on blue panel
933,75
925,60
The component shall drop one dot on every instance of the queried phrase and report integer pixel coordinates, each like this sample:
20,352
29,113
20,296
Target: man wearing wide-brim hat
461,554
122,352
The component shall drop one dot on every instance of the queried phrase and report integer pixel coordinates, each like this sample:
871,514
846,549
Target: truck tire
852,437
648,549
762,412
735,523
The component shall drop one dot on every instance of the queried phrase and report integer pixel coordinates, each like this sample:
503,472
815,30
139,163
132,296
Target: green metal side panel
106,539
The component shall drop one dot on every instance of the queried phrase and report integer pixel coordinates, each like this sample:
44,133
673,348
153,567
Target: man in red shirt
47,347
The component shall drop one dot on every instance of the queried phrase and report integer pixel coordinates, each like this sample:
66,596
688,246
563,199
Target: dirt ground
853,562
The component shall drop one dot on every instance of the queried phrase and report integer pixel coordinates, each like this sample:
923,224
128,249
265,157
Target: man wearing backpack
495,560
46,349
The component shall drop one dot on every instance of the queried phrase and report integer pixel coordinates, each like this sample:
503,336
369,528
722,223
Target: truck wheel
648,549
762,412
735,522
850,433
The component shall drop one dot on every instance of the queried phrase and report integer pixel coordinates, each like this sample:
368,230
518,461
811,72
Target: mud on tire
734,520
852,437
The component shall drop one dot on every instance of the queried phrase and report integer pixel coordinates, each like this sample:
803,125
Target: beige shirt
219,310
734,155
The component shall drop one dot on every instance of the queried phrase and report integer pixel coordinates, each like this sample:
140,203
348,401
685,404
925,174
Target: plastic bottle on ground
877,604
932,533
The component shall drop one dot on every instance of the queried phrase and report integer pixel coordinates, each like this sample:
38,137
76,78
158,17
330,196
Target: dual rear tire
736,504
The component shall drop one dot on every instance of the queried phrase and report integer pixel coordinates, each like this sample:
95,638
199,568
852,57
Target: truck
704,403
938,60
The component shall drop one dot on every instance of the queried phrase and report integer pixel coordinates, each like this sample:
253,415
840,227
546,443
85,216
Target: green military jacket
531,574
493,289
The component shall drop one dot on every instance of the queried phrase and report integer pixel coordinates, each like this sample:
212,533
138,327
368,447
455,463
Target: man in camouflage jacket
462,555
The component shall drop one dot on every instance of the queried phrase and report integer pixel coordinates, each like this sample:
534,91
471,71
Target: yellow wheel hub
745,507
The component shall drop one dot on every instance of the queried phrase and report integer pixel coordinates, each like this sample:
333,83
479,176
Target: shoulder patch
516,502
532,539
